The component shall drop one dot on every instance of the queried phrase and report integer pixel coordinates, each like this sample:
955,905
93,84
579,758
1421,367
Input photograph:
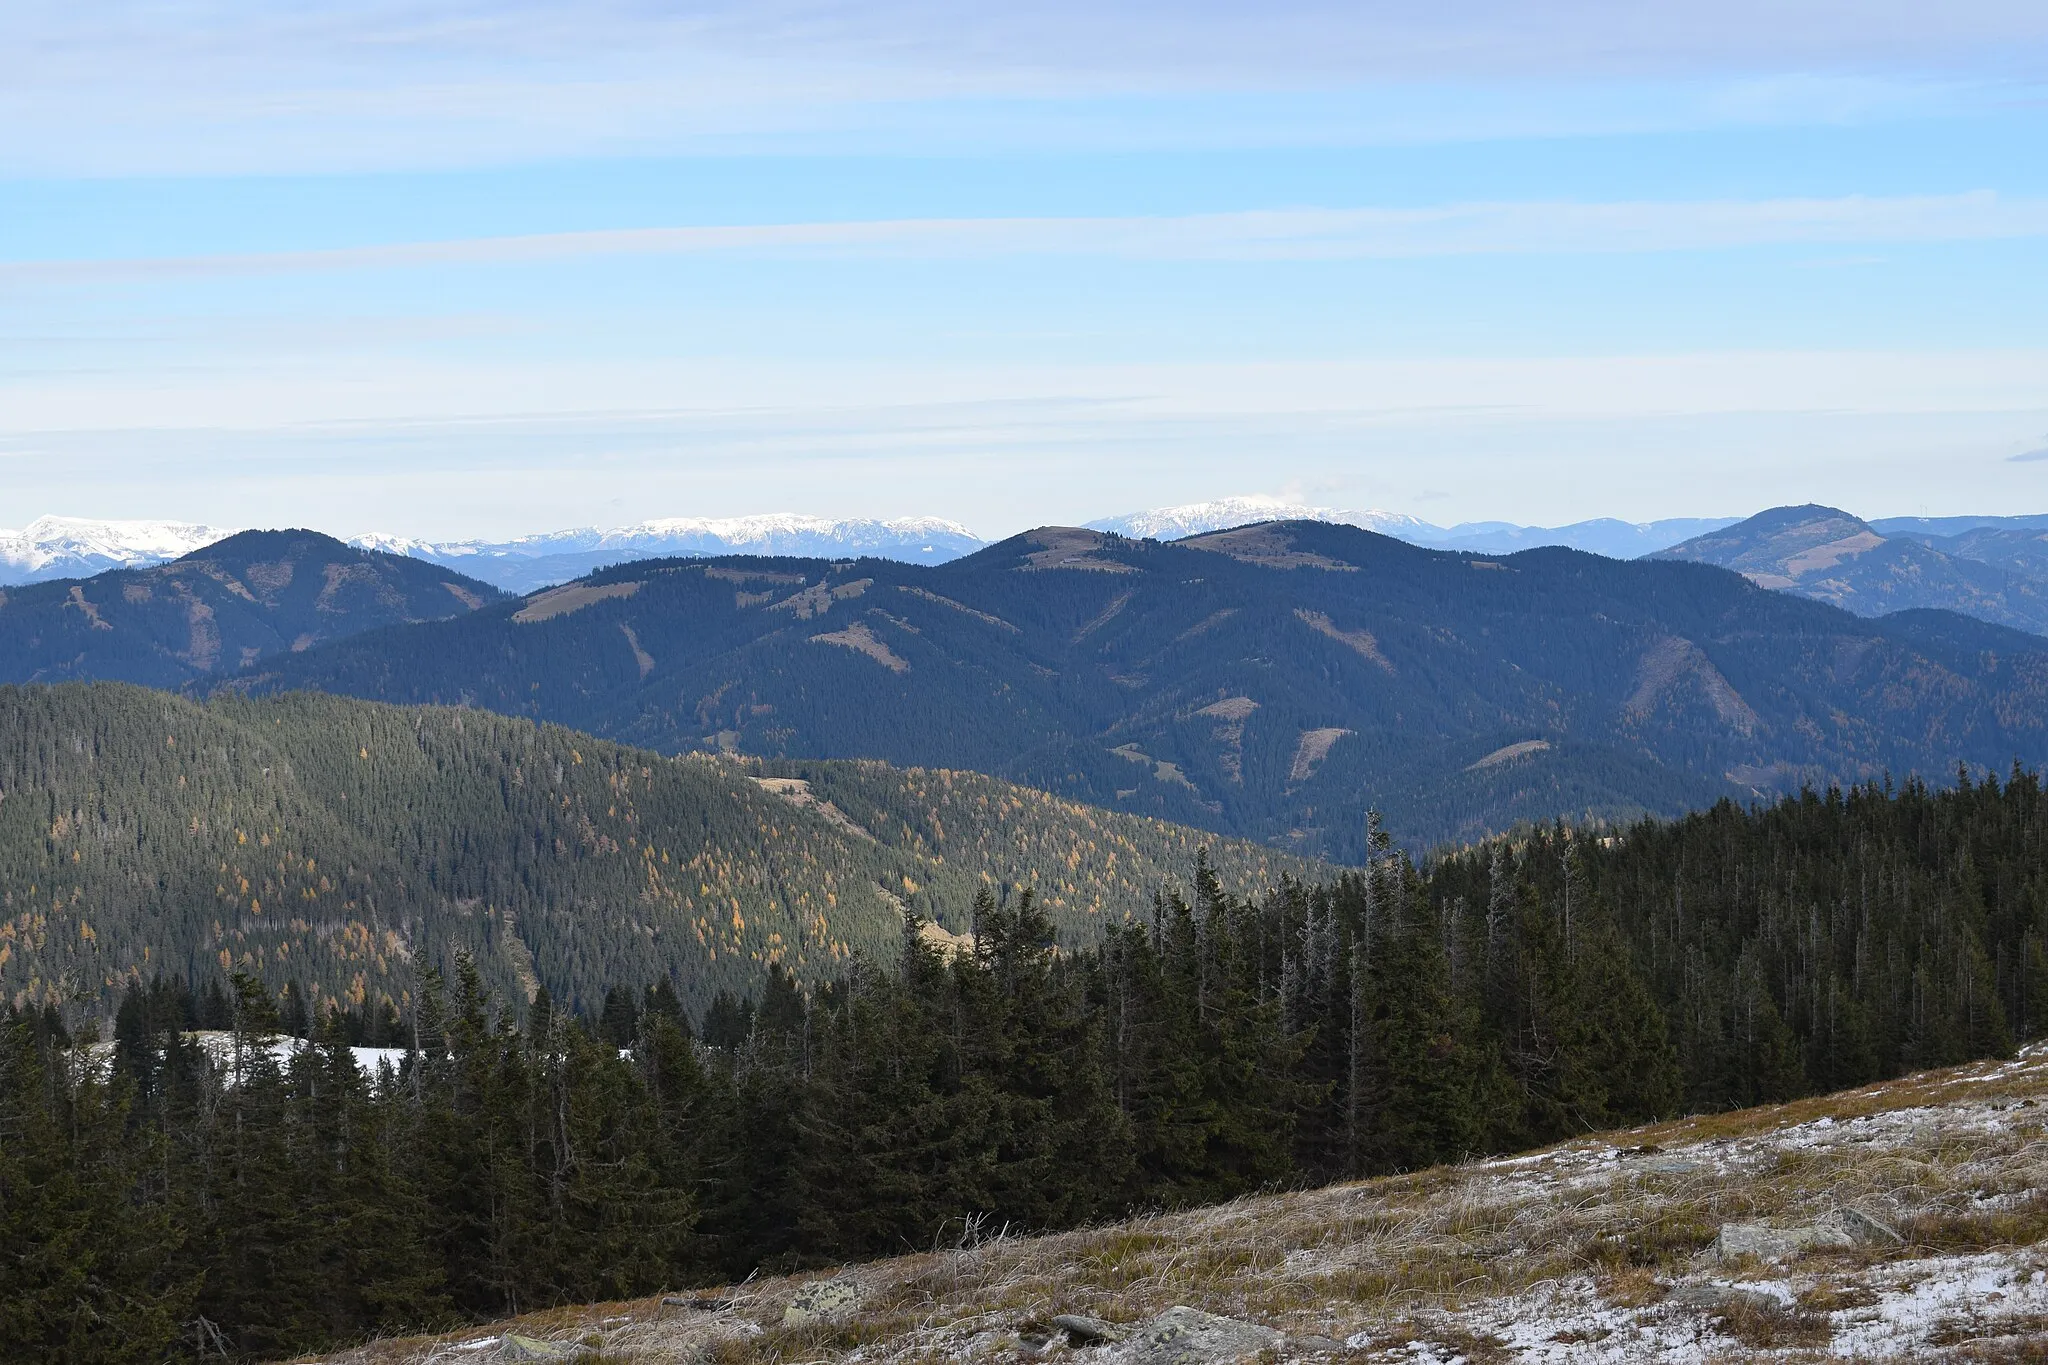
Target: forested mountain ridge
1997,574
1269,681
350,846
219,609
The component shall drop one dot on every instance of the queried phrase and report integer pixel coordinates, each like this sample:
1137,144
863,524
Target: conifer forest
217,1174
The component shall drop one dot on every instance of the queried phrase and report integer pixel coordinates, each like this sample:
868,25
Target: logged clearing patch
858,638
1359,641
85,607
1672,663
570,597
726,575
1313,748
817,599
961,607
798,792
1070,547
1270,546
1508,752
641,657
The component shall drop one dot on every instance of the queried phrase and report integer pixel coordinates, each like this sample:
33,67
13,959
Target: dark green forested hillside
348,845
1271,682
158,1202
219,609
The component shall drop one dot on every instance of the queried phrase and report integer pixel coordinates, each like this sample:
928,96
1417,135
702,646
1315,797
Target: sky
450,268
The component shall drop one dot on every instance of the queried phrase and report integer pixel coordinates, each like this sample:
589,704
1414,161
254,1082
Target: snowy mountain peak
528,562
1220,514
65,547
789,523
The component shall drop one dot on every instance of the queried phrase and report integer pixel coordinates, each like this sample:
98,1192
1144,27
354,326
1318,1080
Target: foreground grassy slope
348,844
1597,1250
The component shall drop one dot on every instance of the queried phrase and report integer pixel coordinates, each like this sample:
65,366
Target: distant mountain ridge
1994,570
72,547
1270,681
1601,536
75,547
217,610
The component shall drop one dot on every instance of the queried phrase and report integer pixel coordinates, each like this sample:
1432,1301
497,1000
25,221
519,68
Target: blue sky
481,269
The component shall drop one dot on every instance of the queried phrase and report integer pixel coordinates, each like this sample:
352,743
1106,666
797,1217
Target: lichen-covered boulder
822,1301
1188,1336
1767,1243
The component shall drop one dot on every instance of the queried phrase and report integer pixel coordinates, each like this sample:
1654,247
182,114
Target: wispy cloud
1261,235
247,85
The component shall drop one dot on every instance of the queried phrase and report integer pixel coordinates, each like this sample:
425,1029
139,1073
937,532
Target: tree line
158,1198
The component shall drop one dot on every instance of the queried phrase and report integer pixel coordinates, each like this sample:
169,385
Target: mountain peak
1801,514
250,546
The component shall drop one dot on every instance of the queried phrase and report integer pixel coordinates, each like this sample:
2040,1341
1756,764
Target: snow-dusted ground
1978,1153
1920,1305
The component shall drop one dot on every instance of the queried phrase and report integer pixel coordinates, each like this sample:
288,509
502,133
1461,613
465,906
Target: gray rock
514,1347
1083,1330
1188,1336
1672,1165
821,1301
1777,1244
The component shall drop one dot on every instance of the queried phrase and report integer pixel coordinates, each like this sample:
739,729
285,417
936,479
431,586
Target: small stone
1717,1297
821,1301
1188,1336
1315,1345
1083,1330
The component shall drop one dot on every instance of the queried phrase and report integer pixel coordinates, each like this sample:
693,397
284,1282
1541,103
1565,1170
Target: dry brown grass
1770,1326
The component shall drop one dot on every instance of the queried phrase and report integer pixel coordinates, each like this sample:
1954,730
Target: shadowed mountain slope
1269,681
219,609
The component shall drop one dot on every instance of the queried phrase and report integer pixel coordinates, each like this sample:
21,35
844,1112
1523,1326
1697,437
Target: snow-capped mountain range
535,561
77,547
1192,519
